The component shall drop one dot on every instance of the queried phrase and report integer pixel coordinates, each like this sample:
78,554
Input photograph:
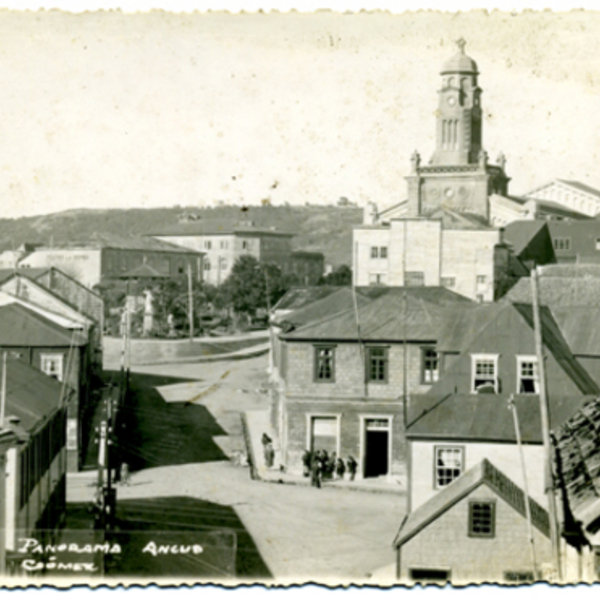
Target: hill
326,229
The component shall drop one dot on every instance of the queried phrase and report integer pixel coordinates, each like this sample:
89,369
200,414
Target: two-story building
106,257
345,377
59,348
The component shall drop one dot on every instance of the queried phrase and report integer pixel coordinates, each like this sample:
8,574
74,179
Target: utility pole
190,301
3,399
512,406
545,418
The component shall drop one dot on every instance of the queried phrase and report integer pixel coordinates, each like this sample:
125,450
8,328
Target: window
224,245
374,252
429,365
244,245
383,252
377,364
52,365
448,282
562,243
223,264
480,279
519,576
527,382
414,278
207,244
485,373
324,364
479,298
207,265
449,464
597,243
482,519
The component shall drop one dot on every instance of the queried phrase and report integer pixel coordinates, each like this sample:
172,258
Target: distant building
574,195
576,241
224,241
106,257
473,531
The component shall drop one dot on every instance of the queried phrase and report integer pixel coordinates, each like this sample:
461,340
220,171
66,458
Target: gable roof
579,326
484,473
31,396
383,319
558,290
578,447
22,326
582,187
519,234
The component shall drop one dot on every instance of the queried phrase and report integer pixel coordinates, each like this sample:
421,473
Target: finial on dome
461,43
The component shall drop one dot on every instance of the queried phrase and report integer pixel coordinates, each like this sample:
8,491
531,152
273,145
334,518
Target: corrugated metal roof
485,417
579,325
383,319
484,473
300,297
340,301
21,326
31,396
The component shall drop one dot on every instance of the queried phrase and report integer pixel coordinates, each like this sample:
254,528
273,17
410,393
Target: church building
450,230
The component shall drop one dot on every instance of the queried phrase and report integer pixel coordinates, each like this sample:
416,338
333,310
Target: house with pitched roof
57,347
343,376
464,417
475,530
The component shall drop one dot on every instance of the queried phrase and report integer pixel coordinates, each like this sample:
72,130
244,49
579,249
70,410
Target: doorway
377,447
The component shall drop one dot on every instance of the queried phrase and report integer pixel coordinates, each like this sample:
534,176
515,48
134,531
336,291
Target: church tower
458,139
458,176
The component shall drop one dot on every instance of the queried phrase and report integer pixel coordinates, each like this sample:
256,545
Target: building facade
574,195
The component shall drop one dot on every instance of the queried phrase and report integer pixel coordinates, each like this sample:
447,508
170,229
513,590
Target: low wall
153,351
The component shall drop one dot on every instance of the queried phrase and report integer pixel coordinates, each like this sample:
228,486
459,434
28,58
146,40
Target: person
125,475
266,440
269,455
316,469
340,468
331,465
306,458
352,466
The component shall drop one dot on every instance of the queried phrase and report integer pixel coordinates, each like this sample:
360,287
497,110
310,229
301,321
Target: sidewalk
258,422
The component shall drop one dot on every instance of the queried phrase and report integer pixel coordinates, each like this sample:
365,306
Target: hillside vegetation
326,229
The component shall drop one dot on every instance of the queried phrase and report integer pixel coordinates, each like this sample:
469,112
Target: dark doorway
376,453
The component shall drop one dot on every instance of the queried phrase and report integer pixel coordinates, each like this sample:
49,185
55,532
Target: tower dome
460,62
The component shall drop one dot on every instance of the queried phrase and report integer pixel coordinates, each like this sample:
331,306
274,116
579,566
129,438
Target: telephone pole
190,301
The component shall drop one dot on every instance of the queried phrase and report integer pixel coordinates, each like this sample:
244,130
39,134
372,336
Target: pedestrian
340,468
266,440
306,459
352,466
316,470
269,455
125,475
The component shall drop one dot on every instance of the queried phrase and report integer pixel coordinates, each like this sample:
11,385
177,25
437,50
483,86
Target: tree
246,287
342,276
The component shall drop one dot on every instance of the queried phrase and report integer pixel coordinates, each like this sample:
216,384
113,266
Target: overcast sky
156,109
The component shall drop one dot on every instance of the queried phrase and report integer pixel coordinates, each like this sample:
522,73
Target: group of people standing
321,465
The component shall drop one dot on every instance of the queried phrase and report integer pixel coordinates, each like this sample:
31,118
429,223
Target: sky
105,110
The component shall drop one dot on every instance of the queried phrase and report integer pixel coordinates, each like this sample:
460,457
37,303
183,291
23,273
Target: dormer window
484,373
